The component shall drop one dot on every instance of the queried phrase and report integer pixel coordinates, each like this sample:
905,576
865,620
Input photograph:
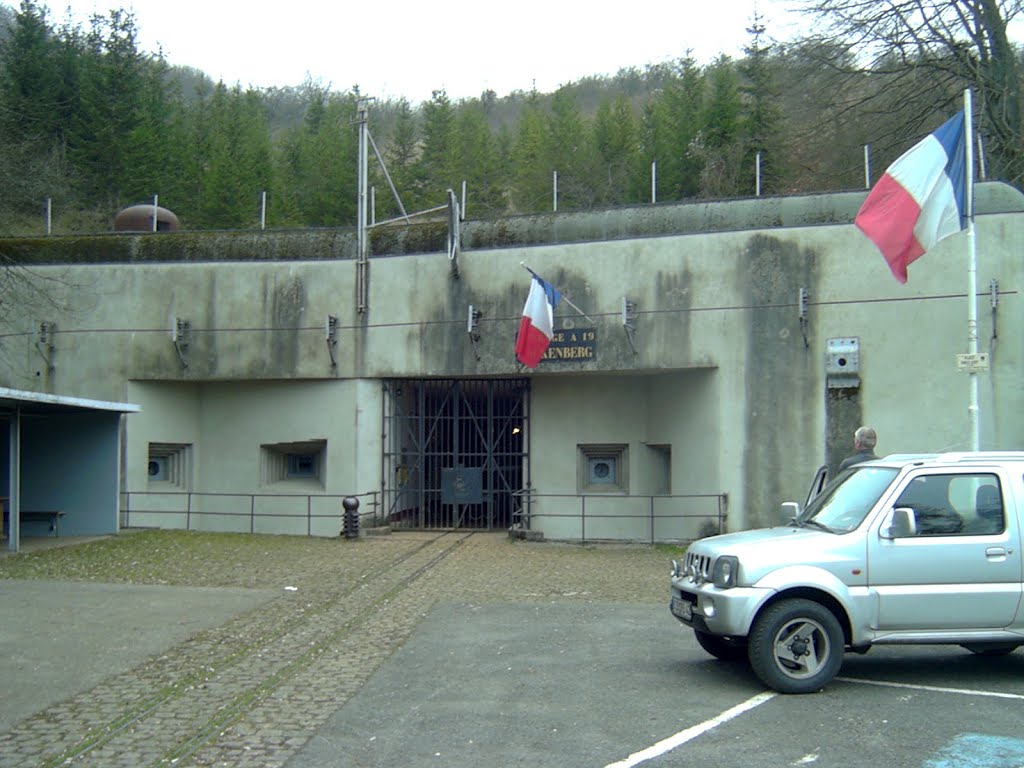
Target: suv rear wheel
991,649
796,646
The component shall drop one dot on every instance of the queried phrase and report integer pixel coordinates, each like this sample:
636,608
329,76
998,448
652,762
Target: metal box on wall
842,363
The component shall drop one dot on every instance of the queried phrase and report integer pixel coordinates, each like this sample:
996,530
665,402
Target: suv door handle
995,553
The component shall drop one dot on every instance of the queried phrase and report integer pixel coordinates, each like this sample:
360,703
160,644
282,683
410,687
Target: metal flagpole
972,272
565,298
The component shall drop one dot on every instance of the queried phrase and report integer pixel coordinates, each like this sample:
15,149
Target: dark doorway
455,453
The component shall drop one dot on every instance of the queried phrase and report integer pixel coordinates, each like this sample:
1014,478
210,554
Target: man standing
864,440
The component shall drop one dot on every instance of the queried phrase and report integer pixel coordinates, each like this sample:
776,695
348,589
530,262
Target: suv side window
957,504
988,508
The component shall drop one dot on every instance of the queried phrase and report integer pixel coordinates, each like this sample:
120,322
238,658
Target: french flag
920,200
537,325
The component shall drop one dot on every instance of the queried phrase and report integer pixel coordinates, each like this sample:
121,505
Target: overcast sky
406,48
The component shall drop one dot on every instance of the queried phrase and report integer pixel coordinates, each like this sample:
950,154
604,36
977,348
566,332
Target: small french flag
537,325
920,200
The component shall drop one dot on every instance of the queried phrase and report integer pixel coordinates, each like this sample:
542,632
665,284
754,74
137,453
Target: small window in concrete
170,464
301,462
603,469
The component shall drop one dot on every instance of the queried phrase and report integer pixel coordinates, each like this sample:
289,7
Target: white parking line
667,745
934,688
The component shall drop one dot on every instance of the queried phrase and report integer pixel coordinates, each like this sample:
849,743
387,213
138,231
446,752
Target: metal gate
455,452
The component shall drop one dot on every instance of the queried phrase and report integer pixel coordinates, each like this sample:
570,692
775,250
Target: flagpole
565,298
972,273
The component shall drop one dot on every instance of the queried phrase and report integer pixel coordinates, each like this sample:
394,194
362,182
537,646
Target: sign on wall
571,344
462,485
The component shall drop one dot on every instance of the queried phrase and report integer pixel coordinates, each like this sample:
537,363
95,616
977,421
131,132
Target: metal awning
12,400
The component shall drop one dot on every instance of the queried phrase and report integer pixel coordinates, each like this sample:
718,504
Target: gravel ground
252,691
493,566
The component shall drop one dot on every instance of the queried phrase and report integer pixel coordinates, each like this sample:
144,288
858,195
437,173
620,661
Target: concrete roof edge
67,401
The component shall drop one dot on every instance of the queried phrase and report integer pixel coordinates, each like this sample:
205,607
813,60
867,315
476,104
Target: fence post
583,519
188,511
252,513
651,499
309,515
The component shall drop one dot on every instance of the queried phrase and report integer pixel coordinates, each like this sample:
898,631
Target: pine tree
532,185
400,158
670,130
32,131
439,161
233,143
30,83
718,144
104,134
761,116
570,151
479,163
156,148
615,134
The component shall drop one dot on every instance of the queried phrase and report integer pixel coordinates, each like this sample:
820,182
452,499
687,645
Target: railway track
271,676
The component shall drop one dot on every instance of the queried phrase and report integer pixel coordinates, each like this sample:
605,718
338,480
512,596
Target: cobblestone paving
253,691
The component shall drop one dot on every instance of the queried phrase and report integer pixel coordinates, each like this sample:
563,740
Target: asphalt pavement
456,650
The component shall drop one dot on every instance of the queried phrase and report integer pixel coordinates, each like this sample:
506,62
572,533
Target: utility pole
362,241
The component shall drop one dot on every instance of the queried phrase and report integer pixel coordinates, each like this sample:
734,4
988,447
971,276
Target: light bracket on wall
181,332
629,321
473,328
803,301
44,342
993,288
331,337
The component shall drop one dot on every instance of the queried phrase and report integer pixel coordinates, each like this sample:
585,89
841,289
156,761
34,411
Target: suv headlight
726,572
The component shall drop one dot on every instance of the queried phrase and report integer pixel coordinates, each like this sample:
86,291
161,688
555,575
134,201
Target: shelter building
63,458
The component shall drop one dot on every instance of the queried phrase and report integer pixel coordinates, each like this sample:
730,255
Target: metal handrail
191,509
524,515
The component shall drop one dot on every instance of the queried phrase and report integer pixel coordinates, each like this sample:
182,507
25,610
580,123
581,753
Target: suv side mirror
790,511
900,524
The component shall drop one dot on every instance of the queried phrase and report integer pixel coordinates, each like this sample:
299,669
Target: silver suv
907,549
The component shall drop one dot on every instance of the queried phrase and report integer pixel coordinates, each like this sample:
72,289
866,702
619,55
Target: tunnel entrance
455,453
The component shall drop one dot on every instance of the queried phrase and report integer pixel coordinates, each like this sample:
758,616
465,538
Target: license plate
682,608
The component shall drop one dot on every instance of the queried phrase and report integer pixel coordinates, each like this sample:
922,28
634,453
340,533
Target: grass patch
185,558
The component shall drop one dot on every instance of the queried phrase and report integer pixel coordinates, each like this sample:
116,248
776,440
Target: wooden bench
44,516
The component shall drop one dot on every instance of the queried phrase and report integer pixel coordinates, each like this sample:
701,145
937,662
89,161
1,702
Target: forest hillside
90,123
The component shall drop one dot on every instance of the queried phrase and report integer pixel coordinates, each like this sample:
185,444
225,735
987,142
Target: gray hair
865,437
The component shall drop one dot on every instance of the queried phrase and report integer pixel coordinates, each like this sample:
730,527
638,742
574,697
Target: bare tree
33,301
921,54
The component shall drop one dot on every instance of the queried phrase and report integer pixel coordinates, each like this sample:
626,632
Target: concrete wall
723,370
225,426
665,421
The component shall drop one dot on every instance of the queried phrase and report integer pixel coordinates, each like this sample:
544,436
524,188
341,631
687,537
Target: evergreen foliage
93,124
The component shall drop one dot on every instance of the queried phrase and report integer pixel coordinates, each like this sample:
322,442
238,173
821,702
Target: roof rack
957,457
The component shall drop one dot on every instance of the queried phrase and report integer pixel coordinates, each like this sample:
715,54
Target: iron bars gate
455,452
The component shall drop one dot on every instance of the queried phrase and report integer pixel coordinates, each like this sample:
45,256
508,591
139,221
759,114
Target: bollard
351,505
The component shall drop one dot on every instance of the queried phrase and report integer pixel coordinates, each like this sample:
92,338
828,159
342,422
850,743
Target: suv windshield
844,502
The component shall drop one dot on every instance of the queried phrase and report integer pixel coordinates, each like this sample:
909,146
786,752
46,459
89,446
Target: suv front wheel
796,646
724,648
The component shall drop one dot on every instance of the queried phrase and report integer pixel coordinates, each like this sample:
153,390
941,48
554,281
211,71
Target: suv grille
697,567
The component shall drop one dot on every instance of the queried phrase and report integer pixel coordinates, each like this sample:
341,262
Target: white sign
972,363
